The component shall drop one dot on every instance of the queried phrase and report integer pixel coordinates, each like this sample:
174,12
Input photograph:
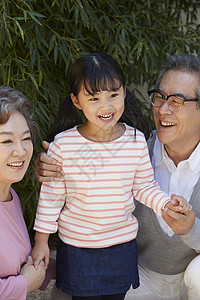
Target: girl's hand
40,251
46,167
180,204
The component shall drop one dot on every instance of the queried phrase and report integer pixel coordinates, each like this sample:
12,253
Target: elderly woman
17,273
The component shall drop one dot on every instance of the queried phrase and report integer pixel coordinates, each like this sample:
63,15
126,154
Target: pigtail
133,116
67,117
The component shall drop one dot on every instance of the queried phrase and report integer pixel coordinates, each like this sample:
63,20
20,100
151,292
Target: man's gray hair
181,62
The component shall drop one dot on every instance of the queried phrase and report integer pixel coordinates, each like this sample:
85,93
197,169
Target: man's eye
177,101
159,96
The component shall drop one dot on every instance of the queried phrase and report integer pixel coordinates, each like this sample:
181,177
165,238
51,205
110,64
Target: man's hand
179,223
46,167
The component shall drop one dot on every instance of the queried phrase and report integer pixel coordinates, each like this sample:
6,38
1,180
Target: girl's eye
94,99
114,95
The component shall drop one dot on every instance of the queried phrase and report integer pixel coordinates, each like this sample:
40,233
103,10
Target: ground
42,295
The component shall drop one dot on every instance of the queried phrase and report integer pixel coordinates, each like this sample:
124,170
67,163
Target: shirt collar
194,159
158,152
160,155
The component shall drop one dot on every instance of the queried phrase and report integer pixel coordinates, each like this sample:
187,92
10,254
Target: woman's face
16,149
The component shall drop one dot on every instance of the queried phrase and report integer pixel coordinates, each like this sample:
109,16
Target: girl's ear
75,101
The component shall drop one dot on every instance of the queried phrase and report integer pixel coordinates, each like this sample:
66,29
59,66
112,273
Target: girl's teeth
106,116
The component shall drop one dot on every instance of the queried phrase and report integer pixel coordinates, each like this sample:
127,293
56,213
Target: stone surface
42,295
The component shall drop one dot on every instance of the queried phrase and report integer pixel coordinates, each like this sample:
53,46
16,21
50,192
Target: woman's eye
27,138
6,142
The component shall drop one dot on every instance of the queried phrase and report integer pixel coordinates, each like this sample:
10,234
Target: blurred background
39,39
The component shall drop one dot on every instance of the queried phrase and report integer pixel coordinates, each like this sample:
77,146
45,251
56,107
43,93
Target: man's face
178,131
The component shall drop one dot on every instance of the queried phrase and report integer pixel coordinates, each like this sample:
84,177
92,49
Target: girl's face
102,109
16,149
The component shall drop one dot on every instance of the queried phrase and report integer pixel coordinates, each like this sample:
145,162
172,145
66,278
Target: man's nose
164,108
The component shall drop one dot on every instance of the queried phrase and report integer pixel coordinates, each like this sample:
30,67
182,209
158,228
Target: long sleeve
145,188
192,238
52,198
14,250
92,204
13,288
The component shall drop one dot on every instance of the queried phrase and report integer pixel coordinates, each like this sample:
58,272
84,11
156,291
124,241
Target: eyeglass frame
165,98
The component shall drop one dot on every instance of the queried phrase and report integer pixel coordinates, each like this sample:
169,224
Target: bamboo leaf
55,54
40,78
32,15
20,29
33,81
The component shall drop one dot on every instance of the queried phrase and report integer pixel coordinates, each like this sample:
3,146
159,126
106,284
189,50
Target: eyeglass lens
174,102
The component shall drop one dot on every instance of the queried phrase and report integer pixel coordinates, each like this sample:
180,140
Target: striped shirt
92,204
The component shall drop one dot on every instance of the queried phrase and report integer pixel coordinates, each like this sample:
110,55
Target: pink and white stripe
92,205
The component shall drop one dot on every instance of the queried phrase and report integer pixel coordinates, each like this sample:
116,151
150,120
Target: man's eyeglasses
174,101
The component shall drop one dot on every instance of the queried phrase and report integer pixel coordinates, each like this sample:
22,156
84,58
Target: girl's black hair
133,115
96,72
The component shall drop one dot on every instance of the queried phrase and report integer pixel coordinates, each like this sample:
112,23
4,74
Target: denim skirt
88,272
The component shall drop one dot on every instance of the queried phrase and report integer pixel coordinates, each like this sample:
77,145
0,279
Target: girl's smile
102,110
106,117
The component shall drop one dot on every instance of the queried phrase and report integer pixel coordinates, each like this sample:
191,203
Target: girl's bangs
101,82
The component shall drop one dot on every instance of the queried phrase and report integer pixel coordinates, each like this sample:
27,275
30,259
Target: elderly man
168,247
168,254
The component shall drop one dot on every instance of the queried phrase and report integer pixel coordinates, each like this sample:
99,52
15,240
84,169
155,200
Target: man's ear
75,101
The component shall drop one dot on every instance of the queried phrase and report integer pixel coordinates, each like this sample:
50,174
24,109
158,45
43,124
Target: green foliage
39,39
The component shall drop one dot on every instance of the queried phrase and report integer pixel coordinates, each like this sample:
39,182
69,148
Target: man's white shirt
179,180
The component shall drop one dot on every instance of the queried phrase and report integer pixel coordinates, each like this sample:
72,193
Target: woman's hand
46,167
34,278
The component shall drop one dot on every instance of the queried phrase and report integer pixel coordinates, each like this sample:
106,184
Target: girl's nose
106,102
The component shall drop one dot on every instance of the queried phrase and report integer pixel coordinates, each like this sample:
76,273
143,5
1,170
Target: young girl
105,163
